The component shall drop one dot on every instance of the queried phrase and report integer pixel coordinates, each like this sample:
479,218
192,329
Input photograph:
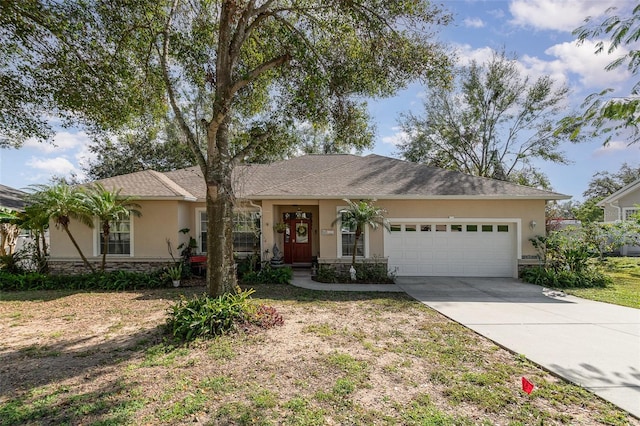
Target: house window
246,231
348,236
203,232
628,213
119,239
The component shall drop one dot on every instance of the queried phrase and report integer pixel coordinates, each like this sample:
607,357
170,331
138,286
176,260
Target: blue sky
537,31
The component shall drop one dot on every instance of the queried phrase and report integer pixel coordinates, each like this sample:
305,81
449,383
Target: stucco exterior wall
326,233
162,220
159,222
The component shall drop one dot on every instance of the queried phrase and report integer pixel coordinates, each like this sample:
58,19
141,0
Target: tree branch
164,54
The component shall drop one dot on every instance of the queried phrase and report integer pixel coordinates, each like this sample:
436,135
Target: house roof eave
619,194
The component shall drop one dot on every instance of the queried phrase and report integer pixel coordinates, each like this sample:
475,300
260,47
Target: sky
538,32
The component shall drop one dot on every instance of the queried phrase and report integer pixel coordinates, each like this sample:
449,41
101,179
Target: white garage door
450,249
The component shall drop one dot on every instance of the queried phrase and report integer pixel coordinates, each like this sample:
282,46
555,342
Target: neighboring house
619,206
11,198
443,223
10,239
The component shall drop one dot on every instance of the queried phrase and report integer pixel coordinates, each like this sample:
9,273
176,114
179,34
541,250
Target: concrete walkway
595,345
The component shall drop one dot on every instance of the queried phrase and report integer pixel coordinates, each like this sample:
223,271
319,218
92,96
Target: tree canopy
604,115
494,122
229,70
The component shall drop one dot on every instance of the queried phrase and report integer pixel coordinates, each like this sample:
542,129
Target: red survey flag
527,386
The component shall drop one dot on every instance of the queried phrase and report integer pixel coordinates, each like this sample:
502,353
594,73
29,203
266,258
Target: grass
625,288
340,358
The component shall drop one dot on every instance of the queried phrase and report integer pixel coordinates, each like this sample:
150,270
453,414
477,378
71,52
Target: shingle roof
148,184
11,198
333,176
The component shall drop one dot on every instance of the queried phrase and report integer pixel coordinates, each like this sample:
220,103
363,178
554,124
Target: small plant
280,227
209,317
266,317
175,272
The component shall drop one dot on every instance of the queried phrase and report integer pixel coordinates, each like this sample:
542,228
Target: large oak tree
251,68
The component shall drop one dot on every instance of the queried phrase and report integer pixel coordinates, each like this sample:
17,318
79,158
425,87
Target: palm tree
37,221
61,203
109,207
359,215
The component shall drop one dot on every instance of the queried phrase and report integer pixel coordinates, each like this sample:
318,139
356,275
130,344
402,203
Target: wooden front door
297,240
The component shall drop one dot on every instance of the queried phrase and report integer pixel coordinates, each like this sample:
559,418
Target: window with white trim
119,238
348,237
202,218
628,212
246,231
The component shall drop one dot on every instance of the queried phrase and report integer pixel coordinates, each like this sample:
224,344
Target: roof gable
625,190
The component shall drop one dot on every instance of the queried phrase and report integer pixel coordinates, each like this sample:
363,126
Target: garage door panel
458,253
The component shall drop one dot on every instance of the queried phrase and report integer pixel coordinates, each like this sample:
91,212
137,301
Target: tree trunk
106,229
221,270
75,244
355,246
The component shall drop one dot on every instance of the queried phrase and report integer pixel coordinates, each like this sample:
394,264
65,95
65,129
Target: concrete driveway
593,344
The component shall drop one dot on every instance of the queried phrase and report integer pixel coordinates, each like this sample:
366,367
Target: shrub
111,281
268,275
370,273
586,278
209,317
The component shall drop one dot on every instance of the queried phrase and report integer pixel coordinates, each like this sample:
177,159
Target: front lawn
625,287
340,358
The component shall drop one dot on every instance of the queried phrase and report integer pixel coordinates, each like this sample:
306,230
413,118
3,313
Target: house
620,206
10,239
443,223
11,198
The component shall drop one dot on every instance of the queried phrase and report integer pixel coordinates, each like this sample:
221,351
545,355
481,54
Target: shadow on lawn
29,367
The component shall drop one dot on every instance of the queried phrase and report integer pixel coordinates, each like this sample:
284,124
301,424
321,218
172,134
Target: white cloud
567,59
466,54
582,60
473,22
397,138
559,15
62,141
58,166
618,147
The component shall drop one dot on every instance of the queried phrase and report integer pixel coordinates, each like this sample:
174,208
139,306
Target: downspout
619,211
261,237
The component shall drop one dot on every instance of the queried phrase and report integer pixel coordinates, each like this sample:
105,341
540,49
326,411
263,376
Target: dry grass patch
339,358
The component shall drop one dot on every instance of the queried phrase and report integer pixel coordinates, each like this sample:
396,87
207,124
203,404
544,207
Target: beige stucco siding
614,212
326,234
162,220
159,222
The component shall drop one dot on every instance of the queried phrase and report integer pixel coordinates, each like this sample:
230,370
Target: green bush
366,273
111,281
268,275
209,317
585,278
